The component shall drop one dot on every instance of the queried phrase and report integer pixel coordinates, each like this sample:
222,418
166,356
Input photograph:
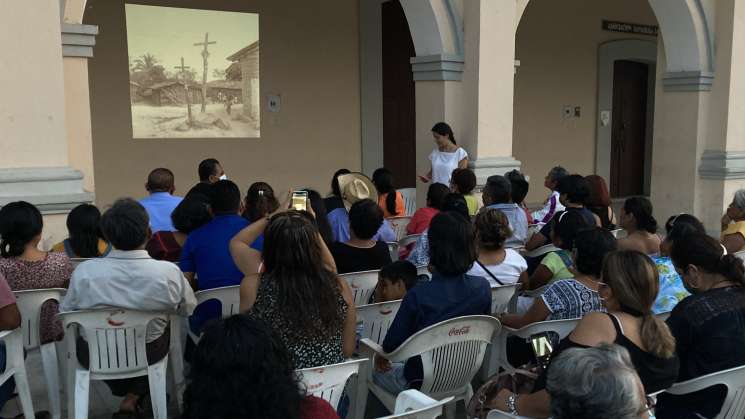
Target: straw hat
356,187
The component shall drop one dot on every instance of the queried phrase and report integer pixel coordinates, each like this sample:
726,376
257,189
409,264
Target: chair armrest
369,349
5,333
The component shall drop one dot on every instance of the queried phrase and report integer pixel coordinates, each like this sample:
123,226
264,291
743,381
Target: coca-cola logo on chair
458,332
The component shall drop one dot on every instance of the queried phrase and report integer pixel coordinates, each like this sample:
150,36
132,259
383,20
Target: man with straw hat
356,187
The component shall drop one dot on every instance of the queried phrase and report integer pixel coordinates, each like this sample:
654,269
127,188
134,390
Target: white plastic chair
229,298
362,284
423,270
619,233
413,404
393,250
77,261
327,382
547,248
740,255
501,297
29,304
376,319
117,350
399,225
498,414
733,378
15,367
407,240
409,195
451,353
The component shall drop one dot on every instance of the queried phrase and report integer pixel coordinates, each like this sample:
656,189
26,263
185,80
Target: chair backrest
561,327
423,270
413,404
29,304
393,250
540,251
399,225
327,382
740,255
376,319
451,352
362,284
229,298
501,297
409,195
733,378
498,414
116,339
619,233
77,261
410,239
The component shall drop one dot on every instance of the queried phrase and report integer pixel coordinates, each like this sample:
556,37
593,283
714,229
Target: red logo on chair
115,323
315,386
457,332
386,312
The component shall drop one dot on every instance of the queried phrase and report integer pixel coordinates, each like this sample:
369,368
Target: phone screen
542,347
299,200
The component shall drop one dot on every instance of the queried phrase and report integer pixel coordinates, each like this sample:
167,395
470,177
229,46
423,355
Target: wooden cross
205,55
183,69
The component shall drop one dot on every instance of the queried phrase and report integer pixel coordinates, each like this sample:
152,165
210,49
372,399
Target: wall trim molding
438,67
51,189
722,165
78,40
489,166
688,81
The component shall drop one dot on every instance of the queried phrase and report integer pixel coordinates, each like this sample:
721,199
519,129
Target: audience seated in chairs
499,265
553,202
128,278
497,194
419,255
733,224
436,193
708,326
395,280
161,202
636,218
390,200
361,252
10,319
463,181
451,293
599,202
25,267
520,189
210,171
628,291
192,213
355,187
298,293
84,234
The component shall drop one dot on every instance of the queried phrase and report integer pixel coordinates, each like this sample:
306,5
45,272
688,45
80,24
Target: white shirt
508,271
130,280
443,164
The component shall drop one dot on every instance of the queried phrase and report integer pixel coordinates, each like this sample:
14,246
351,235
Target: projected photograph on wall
193,73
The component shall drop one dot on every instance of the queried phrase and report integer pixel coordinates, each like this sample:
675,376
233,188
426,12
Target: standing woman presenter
446,156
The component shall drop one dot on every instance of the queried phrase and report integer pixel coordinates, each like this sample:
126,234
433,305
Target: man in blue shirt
161,202
498,195
356,187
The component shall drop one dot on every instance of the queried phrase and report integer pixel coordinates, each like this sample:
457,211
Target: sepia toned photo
193,73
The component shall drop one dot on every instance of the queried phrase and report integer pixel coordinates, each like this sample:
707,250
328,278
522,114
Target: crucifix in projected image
185,79
205,56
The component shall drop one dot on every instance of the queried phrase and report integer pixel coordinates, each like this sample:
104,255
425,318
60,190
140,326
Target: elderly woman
593,382
733,224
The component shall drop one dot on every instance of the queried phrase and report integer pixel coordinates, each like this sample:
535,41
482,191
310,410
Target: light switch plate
273,103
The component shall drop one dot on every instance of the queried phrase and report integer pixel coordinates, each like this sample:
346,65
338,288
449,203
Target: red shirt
315,408
420,220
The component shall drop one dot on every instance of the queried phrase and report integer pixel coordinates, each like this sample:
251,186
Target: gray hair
557,173
594,382
739,199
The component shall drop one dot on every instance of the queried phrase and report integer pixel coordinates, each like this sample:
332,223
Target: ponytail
383,180
390,202
11,248
707,254
641,208
731,267
442,128
656,336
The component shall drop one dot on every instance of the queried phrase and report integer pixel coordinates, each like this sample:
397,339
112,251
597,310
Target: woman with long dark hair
446,156
84,234
637,220
260,201
298,291
321,218
599,202
389,199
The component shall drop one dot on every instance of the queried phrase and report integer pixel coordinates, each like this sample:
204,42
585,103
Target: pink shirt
6,295
420,220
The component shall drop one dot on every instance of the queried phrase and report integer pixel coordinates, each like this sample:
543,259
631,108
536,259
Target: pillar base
489,166
51,189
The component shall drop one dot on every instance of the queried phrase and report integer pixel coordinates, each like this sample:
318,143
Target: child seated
394,280
552,204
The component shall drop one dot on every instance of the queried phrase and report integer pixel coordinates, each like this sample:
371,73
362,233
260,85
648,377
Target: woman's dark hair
260,201
498,190
126,224
436,194
307,290
464,179
575,187
383,180
84,230
441,128
365,219
520,185
335,190
321,220
455,202
20,222
641,209
400,270
241,367
452,249
565,225
592,244
191,213
707,254
682,225
492,229
225,197
599,195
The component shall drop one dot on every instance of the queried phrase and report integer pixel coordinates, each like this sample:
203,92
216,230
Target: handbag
521,381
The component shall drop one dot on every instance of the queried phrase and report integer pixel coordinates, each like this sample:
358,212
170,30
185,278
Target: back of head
492,229
20,224
599,195
335,181
260,201
400,270
707,255
442,128
207,168
586,383
566,225
225,197
556,173
321,218
455,202
576,188
240,365
682,225
641,208
464,179
436,194
633,278
520,186
160,180
191,213
451,244
498,190
365,219
383,181
84,229
126,224
592,244
739,199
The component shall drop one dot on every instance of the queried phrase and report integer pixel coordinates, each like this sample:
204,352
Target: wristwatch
512,403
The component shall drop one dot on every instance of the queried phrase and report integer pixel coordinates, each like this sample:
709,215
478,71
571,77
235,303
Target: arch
435,26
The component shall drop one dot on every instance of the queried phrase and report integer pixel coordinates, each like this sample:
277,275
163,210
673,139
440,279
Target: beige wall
557,45
309,56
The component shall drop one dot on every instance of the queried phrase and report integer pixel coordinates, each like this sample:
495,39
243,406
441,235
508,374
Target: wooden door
629,130
399,123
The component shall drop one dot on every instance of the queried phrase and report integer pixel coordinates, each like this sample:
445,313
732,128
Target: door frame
608,53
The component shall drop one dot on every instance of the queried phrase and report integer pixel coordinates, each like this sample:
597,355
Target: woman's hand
424,178
382,364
